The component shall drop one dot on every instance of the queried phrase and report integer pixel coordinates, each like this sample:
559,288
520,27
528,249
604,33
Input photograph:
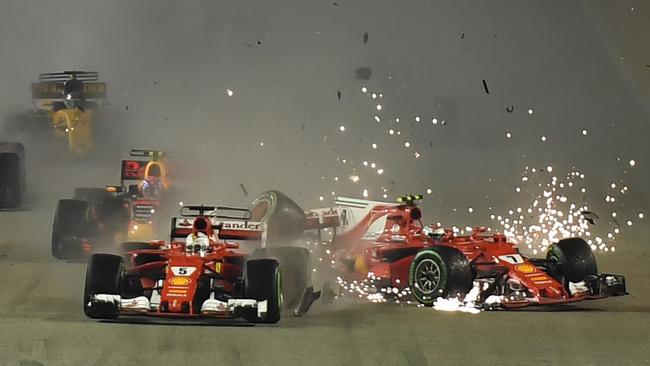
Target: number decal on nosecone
512,258
183,271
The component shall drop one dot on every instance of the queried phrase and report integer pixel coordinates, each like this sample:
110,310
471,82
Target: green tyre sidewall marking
278,275
431,254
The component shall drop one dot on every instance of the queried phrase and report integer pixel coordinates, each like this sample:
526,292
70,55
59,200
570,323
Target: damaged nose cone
306,300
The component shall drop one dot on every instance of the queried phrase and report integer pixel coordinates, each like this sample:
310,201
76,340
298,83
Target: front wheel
295,265
571,259
284,219
439,272
263,281
103,276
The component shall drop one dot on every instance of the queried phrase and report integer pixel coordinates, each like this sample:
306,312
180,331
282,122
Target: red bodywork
181,273
387,254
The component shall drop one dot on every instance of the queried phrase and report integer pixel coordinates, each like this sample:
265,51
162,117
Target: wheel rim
427,276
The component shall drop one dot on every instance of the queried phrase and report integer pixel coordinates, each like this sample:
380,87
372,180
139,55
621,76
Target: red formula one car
200,273
389,244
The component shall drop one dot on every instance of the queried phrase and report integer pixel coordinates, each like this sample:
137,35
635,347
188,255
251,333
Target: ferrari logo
217,267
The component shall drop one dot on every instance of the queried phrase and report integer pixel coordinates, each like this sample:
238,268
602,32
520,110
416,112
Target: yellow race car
68,100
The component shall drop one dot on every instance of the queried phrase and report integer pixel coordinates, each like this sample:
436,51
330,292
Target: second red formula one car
388,244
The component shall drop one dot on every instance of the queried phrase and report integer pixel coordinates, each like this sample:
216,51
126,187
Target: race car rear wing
225,229
153,154
67,75
49,88
230,223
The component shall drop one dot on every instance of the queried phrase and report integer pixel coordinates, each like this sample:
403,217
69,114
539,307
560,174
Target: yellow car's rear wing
50,87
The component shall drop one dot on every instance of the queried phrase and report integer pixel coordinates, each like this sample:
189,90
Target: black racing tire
439,272
284,219
70,221
295,265
263,281
103,276
10,180
91,195
571,259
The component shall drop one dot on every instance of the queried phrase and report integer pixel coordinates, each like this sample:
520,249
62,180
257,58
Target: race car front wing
210,307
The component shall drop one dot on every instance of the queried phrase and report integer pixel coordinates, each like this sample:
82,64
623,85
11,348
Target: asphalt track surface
42,323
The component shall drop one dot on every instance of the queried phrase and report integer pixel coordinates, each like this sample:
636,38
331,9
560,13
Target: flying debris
365,38
338,94
363,73
590,217
243,189
510,109
485,87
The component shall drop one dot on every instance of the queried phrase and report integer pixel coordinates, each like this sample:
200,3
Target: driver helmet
199,239
200,225
73,93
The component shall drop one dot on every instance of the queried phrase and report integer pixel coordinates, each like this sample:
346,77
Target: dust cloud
253,94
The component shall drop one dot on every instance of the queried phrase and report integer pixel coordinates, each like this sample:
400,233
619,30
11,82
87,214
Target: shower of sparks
558,212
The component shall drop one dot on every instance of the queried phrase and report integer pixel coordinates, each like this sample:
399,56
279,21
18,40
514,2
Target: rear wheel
571,259
263,281
439,272
70,224
284,219
10,180
295,266
103,276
